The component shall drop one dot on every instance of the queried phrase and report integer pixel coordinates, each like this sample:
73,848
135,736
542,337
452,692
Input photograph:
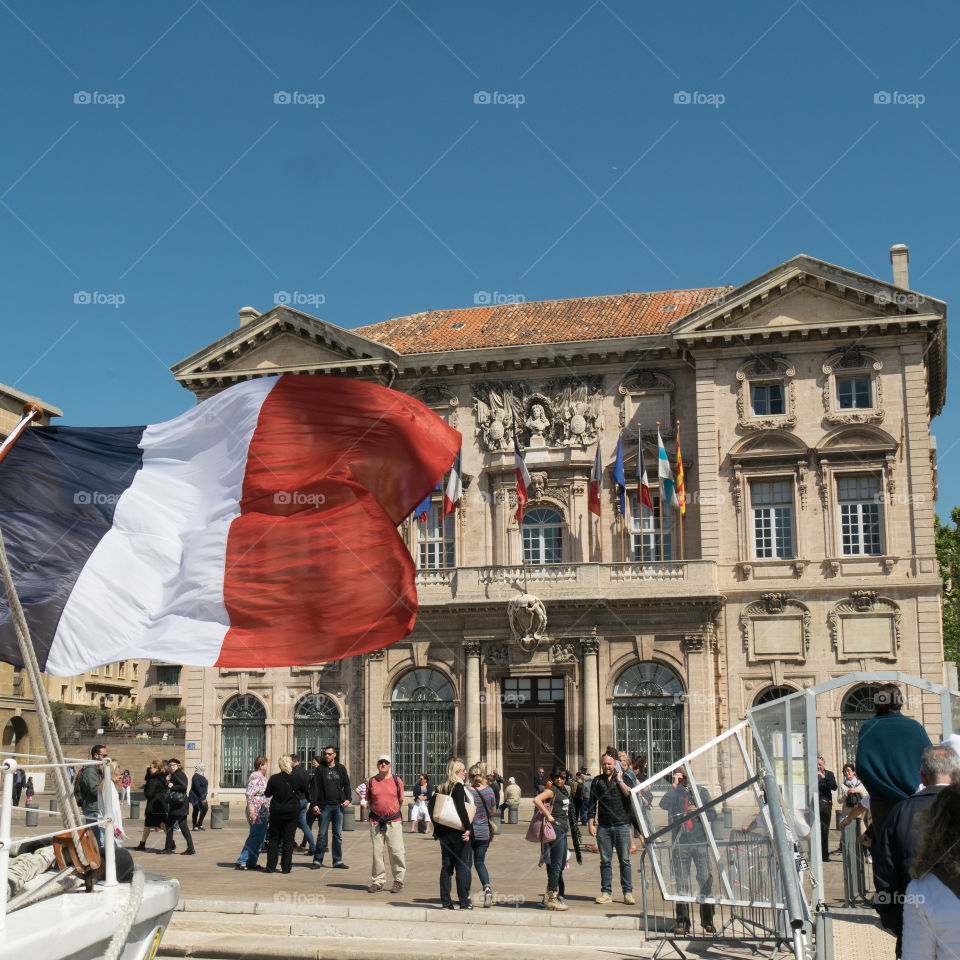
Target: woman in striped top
480,832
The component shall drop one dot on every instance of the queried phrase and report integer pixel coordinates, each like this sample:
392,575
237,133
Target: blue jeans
307,831
615,835
331,813
454,858
96,831
251,849
558,858
480,848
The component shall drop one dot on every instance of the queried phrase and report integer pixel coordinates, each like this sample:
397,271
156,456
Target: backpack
396,783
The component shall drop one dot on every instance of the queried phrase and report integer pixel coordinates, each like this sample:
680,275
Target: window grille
860,516
244,735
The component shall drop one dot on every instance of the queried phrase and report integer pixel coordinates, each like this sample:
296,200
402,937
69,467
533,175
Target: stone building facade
804,400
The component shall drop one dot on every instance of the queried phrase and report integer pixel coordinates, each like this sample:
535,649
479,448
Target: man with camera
689,847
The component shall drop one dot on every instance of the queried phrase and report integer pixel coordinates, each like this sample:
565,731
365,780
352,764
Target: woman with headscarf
198,796
284,816
155,790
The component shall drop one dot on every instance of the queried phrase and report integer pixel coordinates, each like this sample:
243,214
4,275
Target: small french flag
454,490
523,477
593,500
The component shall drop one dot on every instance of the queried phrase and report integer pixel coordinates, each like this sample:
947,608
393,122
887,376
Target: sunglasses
383,763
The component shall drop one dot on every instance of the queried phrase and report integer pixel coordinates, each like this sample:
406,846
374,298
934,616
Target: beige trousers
392,839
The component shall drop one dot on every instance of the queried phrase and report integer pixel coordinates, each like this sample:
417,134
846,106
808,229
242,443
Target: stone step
301,929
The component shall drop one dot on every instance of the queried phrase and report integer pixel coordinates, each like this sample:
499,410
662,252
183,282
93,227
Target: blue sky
177,190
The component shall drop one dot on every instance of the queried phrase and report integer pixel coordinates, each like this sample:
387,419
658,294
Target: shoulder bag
445,811
540,829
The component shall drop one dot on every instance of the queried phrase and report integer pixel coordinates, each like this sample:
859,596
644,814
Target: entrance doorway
533,728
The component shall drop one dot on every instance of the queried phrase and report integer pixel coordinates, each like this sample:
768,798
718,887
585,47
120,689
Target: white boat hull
80,925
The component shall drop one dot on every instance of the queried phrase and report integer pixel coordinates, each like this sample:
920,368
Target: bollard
134,810
349,818
514,813
216,817
225,808
33,818
53,805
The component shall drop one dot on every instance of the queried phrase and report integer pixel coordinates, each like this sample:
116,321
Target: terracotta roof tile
544,321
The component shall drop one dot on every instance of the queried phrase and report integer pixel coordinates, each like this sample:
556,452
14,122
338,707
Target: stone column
591,704
473,742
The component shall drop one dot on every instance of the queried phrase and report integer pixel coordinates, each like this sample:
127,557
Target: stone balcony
569,581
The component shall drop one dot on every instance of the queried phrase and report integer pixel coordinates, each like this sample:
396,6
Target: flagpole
31,411
600,514
660,485
640,479
680,511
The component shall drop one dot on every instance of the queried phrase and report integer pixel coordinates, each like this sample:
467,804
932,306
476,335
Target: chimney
900,257
248,314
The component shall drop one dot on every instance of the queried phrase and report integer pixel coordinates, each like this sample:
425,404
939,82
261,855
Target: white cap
384,756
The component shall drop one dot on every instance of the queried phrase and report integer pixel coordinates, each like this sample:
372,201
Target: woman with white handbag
452,815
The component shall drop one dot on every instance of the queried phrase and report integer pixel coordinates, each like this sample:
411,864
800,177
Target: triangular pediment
282,340
805,293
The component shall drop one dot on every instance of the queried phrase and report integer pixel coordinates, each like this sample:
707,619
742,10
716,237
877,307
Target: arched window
772,725
316,723
648,714
542,536
856,708
244,738
422,725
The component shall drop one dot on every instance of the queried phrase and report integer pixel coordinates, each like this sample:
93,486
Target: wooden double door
533,731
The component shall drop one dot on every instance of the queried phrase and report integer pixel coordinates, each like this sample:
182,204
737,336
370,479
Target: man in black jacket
689,848
330,796
896,846
301,783
608,819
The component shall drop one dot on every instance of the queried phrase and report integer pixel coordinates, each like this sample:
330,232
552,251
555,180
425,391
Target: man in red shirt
384,804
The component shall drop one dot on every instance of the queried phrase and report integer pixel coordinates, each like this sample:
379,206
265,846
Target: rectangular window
860,516
766,399
853,393
549,688
648,546
168,675
772,504
436,539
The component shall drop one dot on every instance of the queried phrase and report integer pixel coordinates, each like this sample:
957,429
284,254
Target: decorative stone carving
527,617
566,411
767,368
854,360
471,648
648,397
538,482
776,627
802,483
565,652
865,626
496,654
377,654
440,398
590,646
692,643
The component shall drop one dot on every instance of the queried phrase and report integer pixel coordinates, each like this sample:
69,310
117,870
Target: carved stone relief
564,411
440,398
496,654
648,397
767,369
865,626
854,360
776,627
565,652
527,617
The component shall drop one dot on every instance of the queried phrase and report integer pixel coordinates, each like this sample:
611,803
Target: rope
119,939
65,798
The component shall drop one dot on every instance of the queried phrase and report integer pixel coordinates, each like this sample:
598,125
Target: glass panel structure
542,537
648,714
647,544
316,724
435,536
244,732
422,717
772,504
860,517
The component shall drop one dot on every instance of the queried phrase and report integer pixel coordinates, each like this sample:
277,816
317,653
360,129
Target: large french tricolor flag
257,529
523,477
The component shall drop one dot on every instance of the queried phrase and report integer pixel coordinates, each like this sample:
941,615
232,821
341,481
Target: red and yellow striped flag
681,493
